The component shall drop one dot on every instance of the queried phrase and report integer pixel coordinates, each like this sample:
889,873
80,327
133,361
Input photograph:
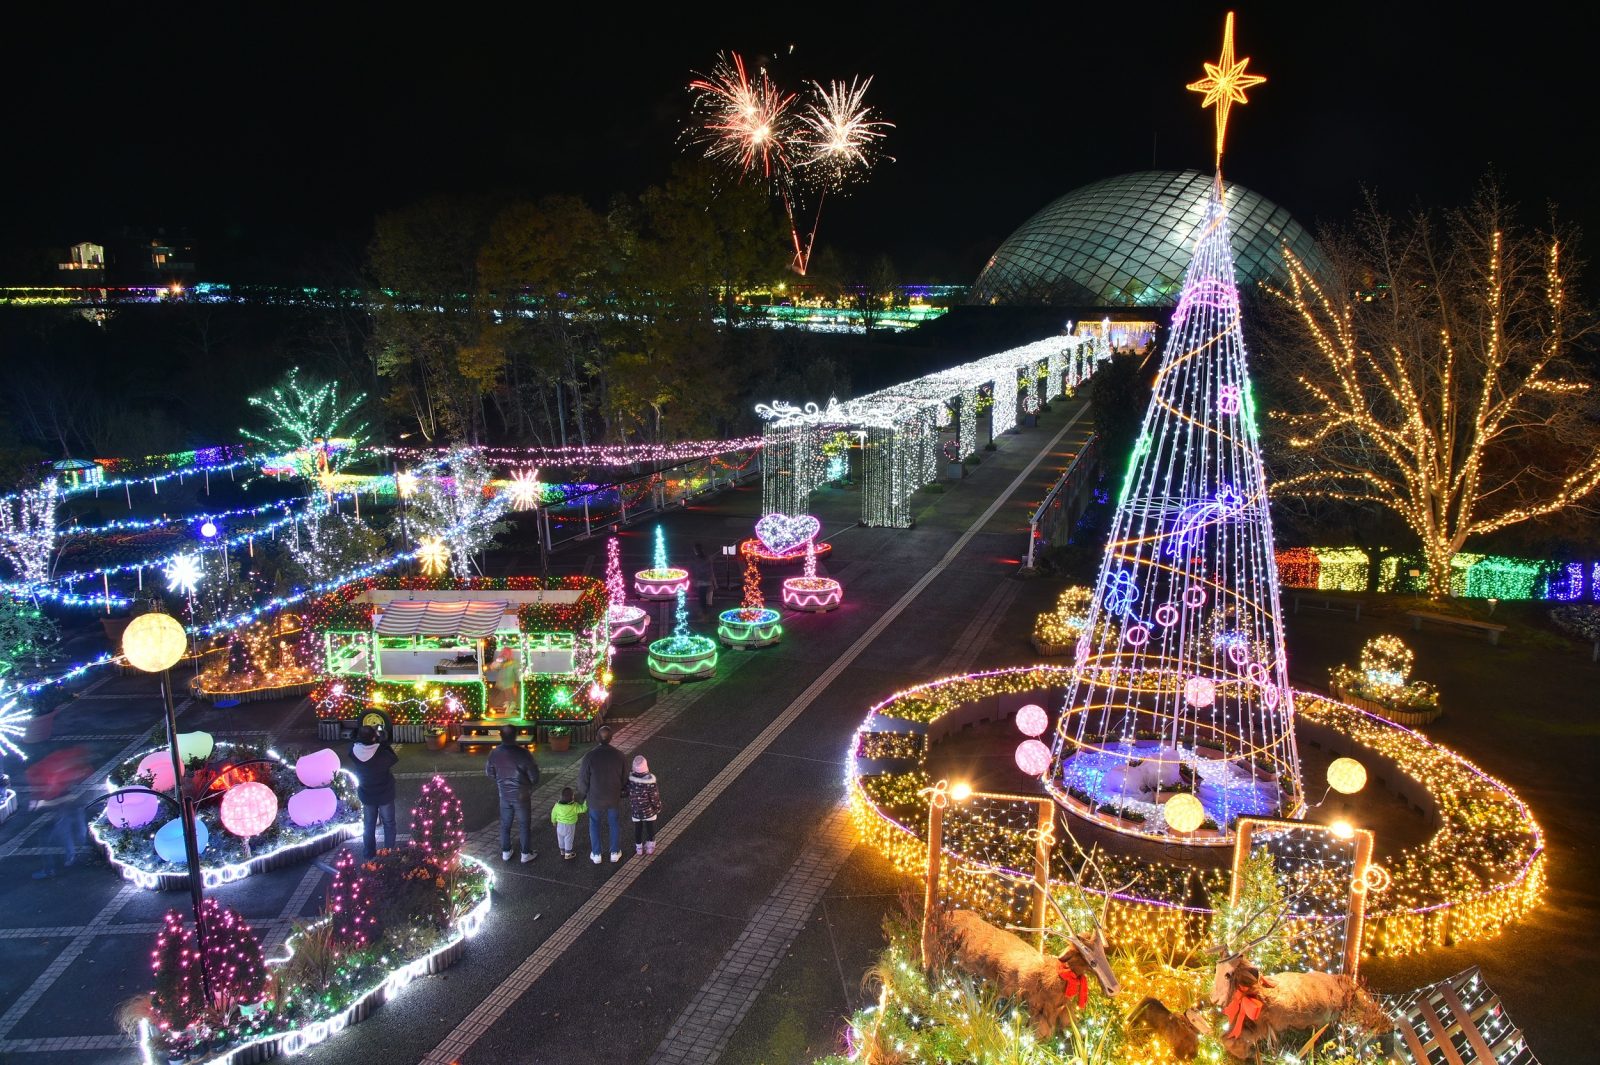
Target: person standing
644,802
603,778
515,775
564,815
372,760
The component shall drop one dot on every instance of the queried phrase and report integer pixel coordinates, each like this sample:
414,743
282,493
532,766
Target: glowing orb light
1343,829
169,840
1199,691
132,809
1346,776
312,806
195,746
1033,757
1032,720
525,489
156,767
208,529
961,791
153,642
1184,812
249,809
316,769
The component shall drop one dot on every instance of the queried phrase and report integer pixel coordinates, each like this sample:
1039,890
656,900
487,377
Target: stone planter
955,470
560,741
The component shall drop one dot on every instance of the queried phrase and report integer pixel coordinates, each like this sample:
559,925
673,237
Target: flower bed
423,909
226,857
1481,870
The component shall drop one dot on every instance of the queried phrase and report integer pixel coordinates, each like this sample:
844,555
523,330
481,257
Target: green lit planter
682,658
744,628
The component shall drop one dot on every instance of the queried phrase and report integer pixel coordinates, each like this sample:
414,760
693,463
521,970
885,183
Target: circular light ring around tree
813,594
628,624
658,584
249,809
764,557
682,658
1346,776
1032,720
154,642
741,627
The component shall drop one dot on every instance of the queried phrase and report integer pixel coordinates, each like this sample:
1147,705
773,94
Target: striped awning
470,620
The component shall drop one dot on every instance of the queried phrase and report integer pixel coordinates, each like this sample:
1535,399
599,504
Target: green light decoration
680,613
303,421
658,559
683,655
745,628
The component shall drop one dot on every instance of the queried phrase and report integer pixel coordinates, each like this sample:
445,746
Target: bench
1494,631
1326,602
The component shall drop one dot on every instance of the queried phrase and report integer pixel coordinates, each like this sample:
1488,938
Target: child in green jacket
564,815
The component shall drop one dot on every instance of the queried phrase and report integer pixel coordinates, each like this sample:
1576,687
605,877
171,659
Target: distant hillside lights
1472,576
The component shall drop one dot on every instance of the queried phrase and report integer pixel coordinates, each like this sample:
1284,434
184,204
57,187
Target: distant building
85,265
129,259
1458,1021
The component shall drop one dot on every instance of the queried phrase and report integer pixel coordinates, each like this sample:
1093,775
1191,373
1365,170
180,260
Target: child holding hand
564,815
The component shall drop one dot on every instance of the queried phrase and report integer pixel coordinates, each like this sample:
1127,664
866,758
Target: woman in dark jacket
644,801
373,762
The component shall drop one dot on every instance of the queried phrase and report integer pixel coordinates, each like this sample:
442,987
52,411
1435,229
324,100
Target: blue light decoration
1181,679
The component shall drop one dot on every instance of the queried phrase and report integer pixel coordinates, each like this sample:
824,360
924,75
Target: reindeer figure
1261,1008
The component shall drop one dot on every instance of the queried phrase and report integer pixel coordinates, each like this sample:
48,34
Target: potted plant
561,738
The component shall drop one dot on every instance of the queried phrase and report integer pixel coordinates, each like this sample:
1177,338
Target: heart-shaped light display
787,534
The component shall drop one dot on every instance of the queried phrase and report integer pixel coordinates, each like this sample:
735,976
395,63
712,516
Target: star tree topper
1224,84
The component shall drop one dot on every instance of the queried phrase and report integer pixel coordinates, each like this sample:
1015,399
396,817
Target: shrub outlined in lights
683,655
1056,632
1383,683
1482,870
660,581
810,592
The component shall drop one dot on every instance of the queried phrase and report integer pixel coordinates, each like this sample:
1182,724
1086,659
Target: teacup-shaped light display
747,627
628,624
682,658
658,584
814,594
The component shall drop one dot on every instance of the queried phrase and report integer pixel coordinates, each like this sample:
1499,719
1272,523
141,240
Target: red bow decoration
1073,984
1244,1007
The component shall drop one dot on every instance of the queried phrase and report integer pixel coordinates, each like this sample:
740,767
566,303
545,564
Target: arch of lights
899,427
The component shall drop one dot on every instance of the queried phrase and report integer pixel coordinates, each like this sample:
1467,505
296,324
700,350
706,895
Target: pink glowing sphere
1032,720
1199,691
248,809
133,809
317,769
1033,758
157,765
312,806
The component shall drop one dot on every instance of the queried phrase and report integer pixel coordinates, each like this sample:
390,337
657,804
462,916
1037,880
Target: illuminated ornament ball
1033,757
153,642
1199,691
208,529
1184,812
1346,776
249,809
1032,720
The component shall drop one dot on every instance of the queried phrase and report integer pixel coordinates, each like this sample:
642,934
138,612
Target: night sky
278,134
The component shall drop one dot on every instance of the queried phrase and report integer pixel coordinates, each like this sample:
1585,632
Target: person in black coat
373,762
515,775
603,777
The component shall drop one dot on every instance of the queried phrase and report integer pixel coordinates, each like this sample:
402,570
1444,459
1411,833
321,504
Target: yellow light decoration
1346,776
1225,83
154,642
525,489
405,483
1184,812
434,556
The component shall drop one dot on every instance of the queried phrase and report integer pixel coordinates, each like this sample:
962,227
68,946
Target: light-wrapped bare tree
1439,375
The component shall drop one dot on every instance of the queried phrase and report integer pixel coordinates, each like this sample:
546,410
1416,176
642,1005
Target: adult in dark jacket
515,775
603,777
373,762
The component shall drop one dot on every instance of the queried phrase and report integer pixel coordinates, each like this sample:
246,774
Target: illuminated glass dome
1124,242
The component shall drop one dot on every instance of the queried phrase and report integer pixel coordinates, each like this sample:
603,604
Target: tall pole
191,845
930,900
1044,838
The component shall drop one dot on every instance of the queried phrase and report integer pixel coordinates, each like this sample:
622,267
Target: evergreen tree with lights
177,997
616,591
1180,665
352,904
303,419
235,971
437,823
752,585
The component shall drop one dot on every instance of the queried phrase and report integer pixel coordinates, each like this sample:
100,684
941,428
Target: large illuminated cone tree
1181,680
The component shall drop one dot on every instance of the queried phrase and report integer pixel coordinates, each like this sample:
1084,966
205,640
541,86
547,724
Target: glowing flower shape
1032,720
183,574
1346,776
1183,812
1200,691
249,809
1033,757
434,556
525,489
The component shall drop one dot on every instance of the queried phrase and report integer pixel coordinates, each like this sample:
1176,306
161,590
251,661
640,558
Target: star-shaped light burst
434,556
1225,83
525,489
183,574
405,482
13,723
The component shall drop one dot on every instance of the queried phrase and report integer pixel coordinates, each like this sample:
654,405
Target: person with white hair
644,801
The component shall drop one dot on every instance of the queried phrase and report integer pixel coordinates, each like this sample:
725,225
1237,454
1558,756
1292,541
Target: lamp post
154,643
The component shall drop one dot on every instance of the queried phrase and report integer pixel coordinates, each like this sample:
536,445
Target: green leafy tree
304,418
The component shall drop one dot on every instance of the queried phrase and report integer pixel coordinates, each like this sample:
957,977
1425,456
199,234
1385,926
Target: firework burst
839,135
742,121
